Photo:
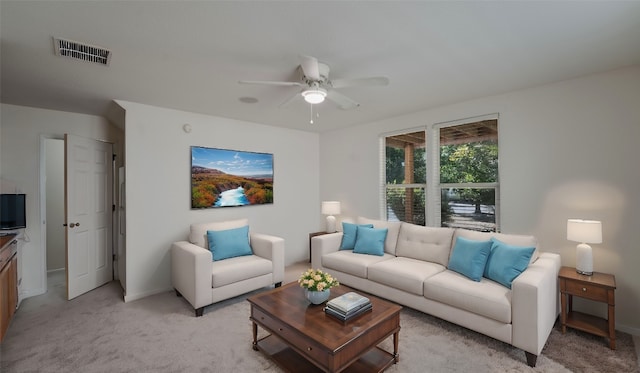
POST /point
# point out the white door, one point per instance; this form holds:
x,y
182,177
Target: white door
x,y
88,214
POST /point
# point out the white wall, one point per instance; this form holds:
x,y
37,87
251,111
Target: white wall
x,y
158,196
567,150
22,129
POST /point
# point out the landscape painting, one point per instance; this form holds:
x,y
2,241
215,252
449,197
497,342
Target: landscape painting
x,y
225,178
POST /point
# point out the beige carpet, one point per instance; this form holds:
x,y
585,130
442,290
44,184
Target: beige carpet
x,y
99,333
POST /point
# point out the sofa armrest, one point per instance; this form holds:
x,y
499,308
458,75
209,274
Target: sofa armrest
x,y
534,303
191,272
272,248
322,245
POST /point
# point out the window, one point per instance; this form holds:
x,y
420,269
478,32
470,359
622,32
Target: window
x,y
454,183
406,176
468,175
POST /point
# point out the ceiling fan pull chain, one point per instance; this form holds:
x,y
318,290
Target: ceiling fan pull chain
x,y
311,116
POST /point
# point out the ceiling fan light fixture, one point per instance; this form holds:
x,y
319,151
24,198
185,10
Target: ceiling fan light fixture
x,y
314,95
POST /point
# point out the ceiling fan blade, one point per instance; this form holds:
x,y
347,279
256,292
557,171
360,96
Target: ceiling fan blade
x,y
269,82
343,101
359,82
290,100
310,67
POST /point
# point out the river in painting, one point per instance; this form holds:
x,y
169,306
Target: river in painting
x,y
232,197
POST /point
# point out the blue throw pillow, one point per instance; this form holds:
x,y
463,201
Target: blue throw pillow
x,y
229,243
350,232
506,262
370,241
469,257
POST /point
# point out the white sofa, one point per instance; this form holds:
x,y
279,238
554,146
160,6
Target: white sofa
x,y
413,271
203,281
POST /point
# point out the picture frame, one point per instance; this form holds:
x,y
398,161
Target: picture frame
x,y
230,178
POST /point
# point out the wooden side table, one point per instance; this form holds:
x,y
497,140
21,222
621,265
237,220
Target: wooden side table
x,y
599,287
311,235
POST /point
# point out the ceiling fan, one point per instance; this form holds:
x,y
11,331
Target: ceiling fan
x,y
316,86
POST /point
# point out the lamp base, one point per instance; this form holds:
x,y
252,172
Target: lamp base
x,y
584,259
584,273
331,224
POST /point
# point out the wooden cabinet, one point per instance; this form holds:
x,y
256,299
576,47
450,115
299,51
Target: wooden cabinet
x,y
8,281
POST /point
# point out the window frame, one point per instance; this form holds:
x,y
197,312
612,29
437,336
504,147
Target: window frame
x,y
433,186
435,156
383,172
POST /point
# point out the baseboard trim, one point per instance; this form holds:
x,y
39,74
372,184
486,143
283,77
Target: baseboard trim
x,y
132,297
628,329
22,295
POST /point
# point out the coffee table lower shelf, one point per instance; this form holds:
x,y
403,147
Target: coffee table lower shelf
x,y
375,360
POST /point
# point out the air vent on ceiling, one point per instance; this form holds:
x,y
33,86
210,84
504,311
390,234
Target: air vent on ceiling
x,y
81,51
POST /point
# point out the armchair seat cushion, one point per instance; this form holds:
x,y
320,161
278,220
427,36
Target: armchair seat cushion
x,y
229,271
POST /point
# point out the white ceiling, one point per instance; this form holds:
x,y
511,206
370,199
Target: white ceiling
x,y
190,55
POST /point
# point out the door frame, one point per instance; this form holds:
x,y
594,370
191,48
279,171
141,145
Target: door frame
x,y
43,209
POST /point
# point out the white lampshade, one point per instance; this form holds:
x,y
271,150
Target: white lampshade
x,y
331,207
584,232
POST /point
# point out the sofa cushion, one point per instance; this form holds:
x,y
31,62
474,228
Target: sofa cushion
x,y
404,274
370,241
506,262
229,243
469,257
509,239
350,232
485,298
392,234
354,264
232,270
198,234
424,243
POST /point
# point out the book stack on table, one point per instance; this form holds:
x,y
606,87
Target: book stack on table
x,y
348,306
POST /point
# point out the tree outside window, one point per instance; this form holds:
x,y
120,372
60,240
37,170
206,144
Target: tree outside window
x,y
469,175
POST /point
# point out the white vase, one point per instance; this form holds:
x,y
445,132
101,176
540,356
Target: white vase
x,y
317,297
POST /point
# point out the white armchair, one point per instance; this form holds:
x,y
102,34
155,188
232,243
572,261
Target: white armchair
x,y
202,281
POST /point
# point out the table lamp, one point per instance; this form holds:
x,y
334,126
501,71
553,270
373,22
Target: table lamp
x,y
331,208
584,232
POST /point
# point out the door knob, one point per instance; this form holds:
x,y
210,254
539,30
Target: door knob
x,y
71,225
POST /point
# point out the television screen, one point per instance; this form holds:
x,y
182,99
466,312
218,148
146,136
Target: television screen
x,y
12,211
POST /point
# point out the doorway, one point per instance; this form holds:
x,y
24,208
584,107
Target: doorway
x,y
56,280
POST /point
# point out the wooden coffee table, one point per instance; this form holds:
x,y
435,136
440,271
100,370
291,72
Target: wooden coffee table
x,y
305,339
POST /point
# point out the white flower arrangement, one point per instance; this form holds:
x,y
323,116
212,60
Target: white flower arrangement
x,y
316,280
